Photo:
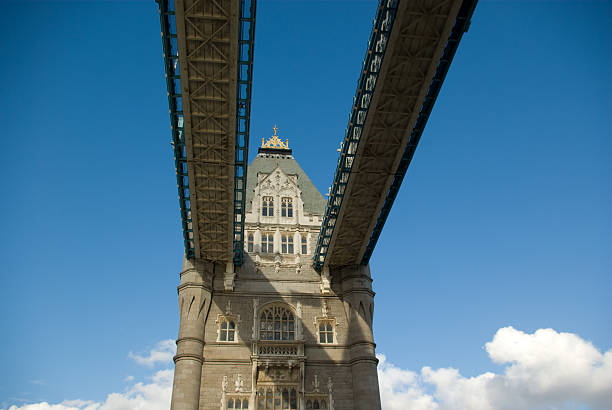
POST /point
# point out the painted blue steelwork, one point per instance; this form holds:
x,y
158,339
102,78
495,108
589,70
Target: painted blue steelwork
x,y
246,42
462,23
383,23
243,114
173,83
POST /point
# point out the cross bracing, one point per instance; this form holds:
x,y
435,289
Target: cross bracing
x,y
208,53
410,50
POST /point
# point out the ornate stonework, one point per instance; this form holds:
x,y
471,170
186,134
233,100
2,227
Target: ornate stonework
x,y
257,352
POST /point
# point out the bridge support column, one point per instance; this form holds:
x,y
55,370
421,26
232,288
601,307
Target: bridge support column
x,y
359,304
194,294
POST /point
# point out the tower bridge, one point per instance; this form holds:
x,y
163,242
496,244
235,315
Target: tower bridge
x,y
275,299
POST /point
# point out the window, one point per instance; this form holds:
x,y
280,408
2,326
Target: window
x,y
277,398
250,242
267,243
276,323
287,207
267,206
287,243
316,404
304,245
227,331
326,331
237,404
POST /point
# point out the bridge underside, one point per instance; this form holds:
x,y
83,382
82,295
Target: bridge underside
x,y
376,154
207,38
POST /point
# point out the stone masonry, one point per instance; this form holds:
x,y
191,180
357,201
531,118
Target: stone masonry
x,y
274,333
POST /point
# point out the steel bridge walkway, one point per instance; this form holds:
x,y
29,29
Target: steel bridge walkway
x,y
409,53
208,54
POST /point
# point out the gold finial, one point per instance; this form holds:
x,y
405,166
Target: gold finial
x,y
274,141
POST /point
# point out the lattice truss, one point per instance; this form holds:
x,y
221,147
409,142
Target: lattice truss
x,y
207,40
417,40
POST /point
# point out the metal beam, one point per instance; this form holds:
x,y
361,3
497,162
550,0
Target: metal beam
x,y
208,55
399,70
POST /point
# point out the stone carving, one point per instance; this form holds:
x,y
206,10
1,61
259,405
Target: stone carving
x,y
224,384
277,263
325,282
239,384
228,308
278,350
324,309
255,304
277,373
315,384
330,385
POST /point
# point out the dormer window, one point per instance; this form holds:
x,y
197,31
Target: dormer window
x,y
267,206
287,243
287,207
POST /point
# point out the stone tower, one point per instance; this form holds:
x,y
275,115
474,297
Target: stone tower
x,y
275,333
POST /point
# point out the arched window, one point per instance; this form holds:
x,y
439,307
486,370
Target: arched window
x,y
238,404
304,245
267,243
287,207
287,243
276,323
315,405
250,242
323,404
308,404
267,206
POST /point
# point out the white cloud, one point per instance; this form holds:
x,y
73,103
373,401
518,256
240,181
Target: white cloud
x,y
161,353
543,370
141,396
152,395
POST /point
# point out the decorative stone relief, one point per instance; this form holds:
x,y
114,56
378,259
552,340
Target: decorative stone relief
x,y
298,313
315,384
325,282
239,384
228,277
275,372
255,304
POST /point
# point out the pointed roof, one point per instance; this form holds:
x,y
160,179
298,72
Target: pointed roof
x,y
314,203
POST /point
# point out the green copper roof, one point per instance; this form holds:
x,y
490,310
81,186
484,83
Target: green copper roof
x,y
314,203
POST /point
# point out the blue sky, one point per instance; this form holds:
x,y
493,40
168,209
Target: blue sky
x,y
503,218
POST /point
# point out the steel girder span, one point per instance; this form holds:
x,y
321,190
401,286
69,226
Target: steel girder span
x,y
410,50
208,55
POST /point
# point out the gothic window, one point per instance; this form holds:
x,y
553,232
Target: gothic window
x,y
304,245
316,404
237,404
227,330
267,206
276,323
287,207
250,242
267,243
287,243
326,331
277,398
